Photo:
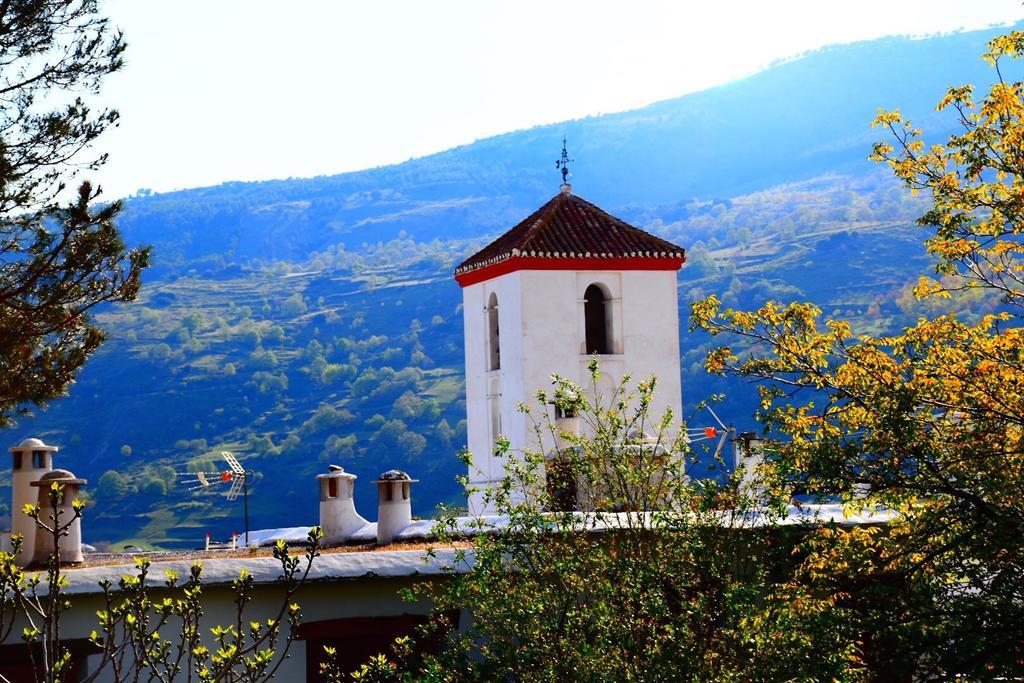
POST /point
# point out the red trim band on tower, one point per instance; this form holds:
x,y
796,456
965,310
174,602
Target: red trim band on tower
x,y
515,263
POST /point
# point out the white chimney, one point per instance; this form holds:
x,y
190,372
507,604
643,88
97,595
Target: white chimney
x,y
394,505
566,423
748,459
338,516
32,459
70,539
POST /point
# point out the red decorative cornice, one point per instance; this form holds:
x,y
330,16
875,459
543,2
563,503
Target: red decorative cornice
x,y
515,263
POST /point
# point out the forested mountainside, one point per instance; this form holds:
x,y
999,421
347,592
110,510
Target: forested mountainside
x,y
302,322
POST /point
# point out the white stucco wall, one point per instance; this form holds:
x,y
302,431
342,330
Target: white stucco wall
x,y
541,320
341,585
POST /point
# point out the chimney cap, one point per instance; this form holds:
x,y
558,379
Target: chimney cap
x,y
60,476
32,444
336,472
394,475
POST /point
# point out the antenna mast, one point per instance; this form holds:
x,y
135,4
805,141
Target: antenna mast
x,y
239,484
694,434
236,474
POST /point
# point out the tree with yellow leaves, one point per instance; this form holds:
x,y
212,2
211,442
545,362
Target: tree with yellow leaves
x,y
928,422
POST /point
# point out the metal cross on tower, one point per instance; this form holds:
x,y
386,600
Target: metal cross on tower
x,y
563,163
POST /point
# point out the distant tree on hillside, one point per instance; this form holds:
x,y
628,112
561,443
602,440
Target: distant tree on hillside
x,y
293,305
154,488
111,485
411,444
56,262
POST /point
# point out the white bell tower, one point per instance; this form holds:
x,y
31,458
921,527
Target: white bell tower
x,y
568,284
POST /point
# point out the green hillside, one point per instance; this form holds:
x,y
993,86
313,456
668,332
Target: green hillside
x,y
307,321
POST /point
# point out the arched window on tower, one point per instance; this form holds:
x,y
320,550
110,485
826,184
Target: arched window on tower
x,y
493,346
596,319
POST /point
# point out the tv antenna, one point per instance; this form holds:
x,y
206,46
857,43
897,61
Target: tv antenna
x,y
695,434
236,475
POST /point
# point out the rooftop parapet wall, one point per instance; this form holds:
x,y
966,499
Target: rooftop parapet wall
x,y
355,563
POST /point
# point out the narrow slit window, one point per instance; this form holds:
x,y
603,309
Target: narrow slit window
x,y
595,316
495,410
332,488
493,332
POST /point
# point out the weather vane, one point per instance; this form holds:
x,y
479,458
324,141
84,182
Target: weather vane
x,y
563,163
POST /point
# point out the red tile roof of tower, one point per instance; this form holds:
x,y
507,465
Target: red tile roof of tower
x,y
570,227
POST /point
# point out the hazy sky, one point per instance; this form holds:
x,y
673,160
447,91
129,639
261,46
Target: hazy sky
x,y
219,90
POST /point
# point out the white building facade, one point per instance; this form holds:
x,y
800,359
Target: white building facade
x,y
569,284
